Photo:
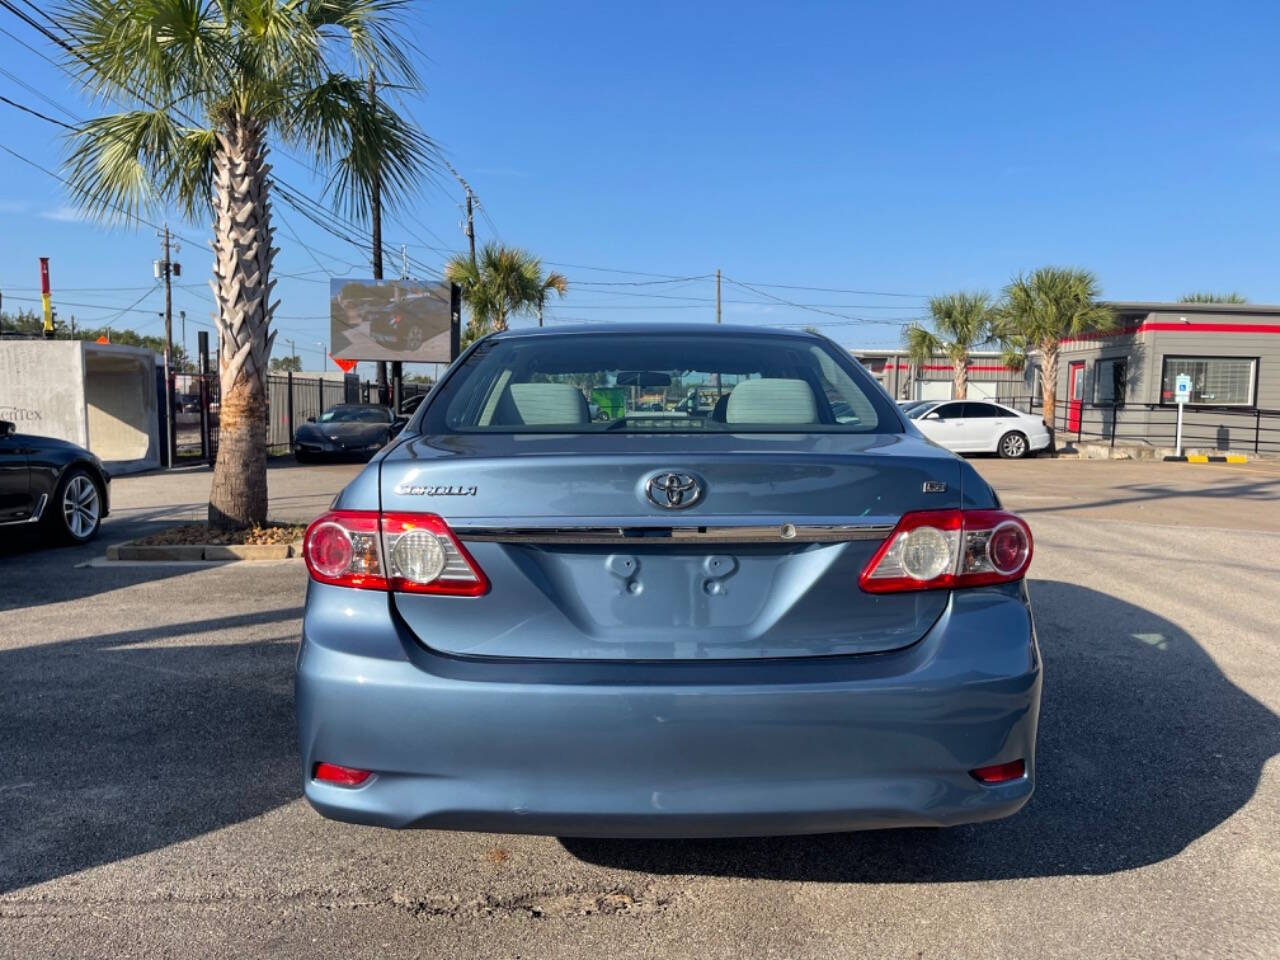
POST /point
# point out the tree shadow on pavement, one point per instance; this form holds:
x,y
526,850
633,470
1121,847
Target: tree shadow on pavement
x,y
1145,746
126,742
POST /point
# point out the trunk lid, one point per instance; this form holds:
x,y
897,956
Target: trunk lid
x,y
585,564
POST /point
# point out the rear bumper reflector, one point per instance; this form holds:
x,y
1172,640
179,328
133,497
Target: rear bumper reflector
x,y
339,776
1000,772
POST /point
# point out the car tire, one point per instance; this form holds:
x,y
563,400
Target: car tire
x,y
75,513
301,457
1013,446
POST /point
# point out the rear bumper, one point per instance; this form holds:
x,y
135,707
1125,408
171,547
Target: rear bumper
x,y
675,749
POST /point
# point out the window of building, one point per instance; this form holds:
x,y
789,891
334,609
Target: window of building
x,y
1109,378
1215,381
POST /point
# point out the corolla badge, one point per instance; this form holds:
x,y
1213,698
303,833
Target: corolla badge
x,y
404,489
674,491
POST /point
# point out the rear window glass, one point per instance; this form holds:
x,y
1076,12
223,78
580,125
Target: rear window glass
x,y
659,383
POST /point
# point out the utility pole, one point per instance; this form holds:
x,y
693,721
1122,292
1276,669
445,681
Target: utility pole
x,y
185,356
168,347
470,228
717,295
375,220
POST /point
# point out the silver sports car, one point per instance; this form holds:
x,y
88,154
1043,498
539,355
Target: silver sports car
x,y
569,600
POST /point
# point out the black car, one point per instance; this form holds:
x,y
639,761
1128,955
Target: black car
x,y
403,324
346,431
59,486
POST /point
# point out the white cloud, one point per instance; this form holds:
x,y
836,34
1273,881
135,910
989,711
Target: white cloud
x,y
64,214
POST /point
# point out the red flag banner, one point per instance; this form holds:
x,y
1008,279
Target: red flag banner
x,y
346,366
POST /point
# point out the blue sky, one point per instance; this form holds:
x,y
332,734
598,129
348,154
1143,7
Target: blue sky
x,y
907,149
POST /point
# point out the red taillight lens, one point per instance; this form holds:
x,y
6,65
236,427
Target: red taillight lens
x,y
423,556
1000,772
946,549
408,552
339,776
341,547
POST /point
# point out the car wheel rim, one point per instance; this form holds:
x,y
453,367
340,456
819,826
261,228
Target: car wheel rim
x,y
80,507
1013,446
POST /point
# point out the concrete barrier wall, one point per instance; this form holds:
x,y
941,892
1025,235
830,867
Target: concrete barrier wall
x,y
42,388
100,396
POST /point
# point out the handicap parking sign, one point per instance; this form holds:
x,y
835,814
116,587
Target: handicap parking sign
x,y
1182,388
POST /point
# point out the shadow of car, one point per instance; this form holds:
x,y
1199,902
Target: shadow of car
x,y
1145,746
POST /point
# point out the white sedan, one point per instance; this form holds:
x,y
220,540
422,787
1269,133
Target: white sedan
x,y
981,426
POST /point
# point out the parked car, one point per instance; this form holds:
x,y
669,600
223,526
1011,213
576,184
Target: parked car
x,y
982,426
346,431
52,483
409,406
524,620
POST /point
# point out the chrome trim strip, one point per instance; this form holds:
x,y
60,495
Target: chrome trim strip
x,y
35,516
637,531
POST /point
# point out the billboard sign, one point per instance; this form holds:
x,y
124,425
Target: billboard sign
x,y
405,320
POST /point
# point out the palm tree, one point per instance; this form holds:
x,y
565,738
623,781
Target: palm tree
x,y
1232,297
205,88
553,282
503,282
961,321
1042,309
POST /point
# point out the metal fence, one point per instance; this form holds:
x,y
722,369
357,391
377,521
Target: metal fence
x,y
291,400
1156,425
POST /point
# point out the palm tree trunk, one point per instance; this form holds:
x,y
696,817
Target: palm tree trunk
x,y
960,378
242,289
1049,380
500,320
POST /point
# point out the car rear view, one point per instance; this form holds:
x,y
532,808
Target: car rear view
x,y
633,582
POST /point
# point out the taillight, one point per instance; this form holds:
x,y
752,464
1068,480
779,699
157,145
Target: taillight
x,y
946,549
423,556
407,552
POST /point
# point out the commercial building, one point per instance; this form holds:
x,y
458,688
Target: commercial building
x,y
989,378
1118,387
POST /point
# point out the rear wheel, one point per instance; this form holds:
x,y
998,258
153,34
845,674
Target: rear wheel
x,y
1013,446
76,512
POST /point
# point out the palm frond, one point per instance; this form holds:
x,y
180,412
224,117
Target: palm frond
x,y
921,343
361,138
124,164
370,29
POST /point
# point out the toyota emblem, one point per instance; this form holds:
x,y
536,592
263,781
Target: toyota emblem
x,y
673,491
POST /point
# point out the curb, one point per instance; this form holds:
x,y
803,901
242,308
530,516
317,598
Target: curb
x,y
1200,458
197,552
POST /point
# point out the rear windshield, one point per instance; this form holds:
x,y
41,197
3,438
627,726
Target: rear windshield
x,y
659,383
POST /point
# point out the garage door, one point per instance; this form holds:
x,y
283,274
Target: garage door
x,y
933,389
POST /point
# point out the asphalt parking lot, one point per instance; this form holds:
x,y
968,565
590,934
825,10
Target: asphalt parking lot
x,y
150,799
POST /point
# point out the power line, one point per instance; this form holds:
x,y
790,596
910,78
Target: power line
x,y
46,170
861,293
38,93
35,113
800,306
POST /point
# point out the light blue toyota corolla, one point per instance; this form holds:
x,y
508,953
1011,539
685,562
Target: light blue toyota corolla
x,y
660,581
